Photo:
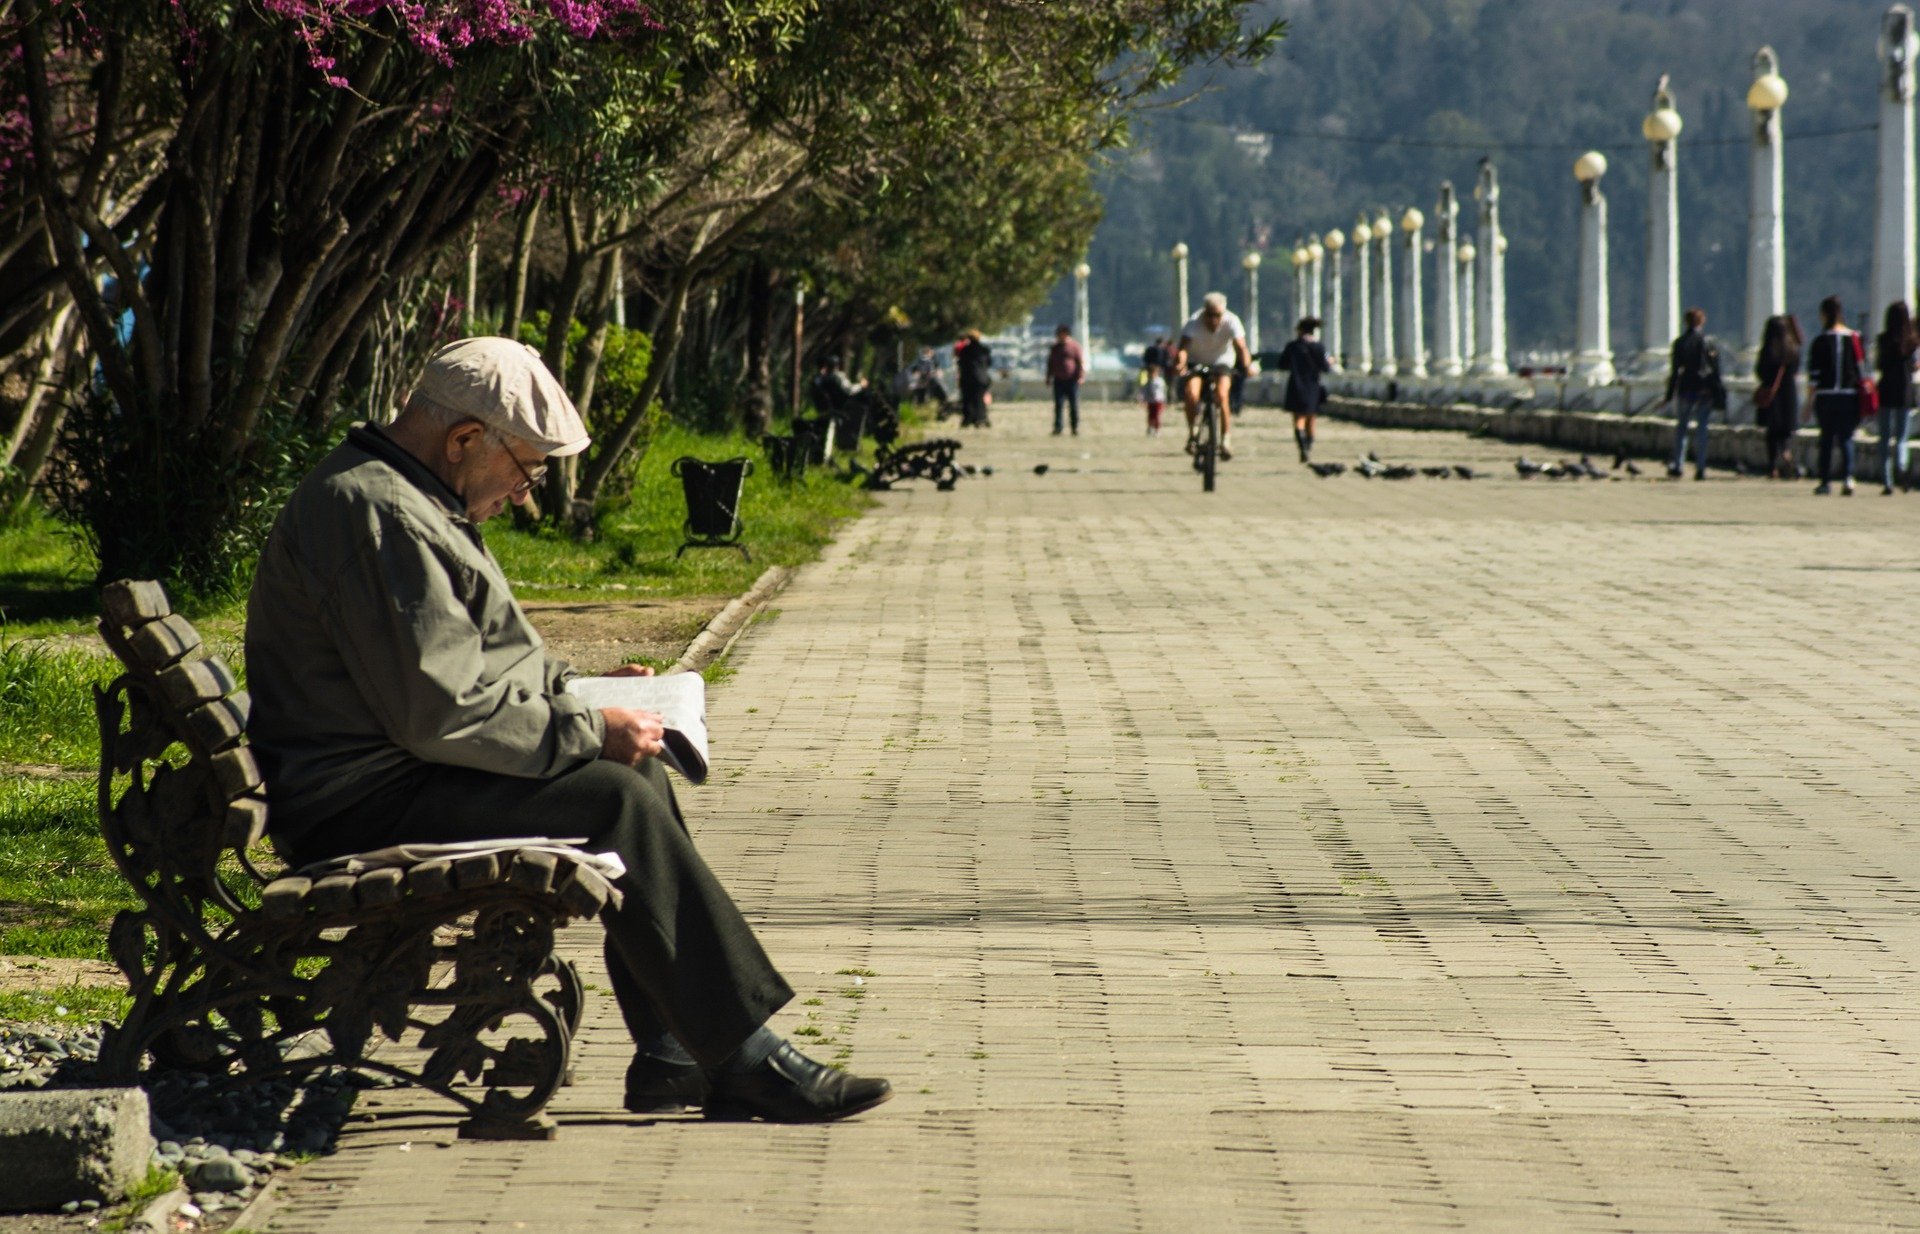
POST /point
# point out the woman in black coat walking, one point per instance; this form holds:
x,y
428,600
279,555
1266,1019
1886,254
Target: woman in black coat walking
x,y
1776,392
1305,359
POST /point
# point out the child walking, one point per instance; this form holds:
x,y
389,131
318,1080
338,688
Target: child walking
x,y
1155,394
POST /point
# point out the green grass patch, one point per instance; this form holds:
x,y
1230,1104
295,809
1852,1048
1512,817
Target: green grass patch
x,y
74,1004
633,556
58,888
46,702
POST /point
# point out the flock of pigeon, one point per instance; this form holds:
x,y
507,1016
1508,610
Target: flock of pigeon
x,y
1371,467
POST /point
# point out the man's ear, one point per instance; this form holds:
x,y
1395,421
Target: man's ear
x,y
463,438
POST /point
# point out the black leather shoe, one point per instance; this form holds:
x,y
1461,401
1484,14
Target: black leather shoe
x,y
791,1088
656,1087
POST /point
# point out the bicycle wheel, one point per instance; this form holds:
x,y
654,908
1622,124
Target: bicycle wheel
x,y
1209,445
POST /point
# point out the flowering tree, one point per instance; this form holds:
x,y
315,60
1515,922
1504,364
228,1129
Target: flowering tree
x,y
311,155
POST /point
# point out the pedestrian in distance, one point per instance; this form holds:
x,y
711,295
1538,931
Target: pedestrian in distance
x,y
1695,390
1894,353
974,361
1305,360
1836,367
1776,392
1066,369
1155,396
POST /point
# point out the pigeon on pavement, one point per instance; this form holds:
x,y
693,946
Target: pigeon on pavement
x,y
1465,472
1039,469
1437,473
1369,467
1527,467
1400,471
1327,470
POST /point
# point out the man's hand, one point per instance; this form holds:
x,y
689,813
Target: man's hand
x,y
631,735
631,670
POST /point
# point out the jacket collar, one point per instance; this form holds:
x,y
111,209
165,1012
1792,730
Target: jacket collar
x,y
369,438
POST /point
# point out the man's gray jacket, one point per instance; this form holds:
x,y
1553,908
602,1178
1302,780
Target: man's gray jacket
x,y
382,636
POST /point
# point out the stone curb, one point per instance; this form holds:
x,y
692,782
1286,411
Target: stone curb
x,y
1587,432
719,635
157,1216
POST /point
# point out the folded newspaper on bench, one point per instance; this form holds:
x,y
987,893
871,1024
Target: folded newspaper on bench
x,y
406,856
679,699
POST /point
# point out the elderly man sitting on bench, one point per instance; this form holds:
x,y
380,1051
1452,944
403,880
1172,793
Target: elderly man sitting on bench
x,y
401,696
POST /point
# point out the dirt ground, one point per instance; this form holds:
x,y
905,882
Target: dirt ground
x,y
597,635
33,972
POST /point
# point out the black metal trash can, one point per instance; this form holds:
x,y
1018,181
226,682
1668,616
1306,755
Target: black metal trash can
x,y
787,456
713,493
820,433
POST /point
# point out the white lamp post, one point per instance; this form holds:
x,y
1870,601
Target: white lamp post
x,y
1464,256
1389,365
1490,315
1361,358
1412,325
1593,358
1179,255
1893,214
1082,329
1661,318
1299,259
1316,275
1251,264
1335,240
1766,239
1446,291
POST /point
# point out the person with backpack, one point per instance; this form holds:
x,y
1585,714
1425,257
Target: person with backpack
x,y
1836,364
1695,389
1894,355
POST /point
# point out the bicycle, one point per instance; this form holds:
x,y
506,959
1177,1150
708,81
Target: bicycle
x,y
1206,433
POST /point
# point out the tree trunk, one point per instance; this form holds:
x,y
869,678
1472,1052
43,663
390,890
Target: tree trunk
x,y
756,395
517,271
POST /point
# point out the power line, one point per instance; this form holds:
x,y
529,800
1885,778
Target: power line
x,y
1422,143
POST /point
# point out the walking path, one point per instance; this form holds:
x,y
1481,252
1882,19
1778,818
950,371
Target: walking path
x,y
1332,855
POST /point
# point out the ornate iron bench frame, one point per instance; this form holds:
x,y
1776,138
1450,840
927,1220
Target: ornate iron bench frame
x,y
243,976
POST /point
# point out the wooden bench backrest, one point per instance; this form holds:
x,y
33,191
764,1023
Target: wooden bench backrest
x,y
173,820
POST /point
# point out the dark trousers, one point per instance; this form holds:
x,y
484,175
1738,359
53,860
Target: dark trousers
x,y
1066,394
973,404
680,955
1839,416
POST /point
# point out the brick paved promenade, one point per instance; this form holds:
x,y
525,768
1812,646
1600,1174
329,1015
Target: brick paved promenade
x,y
1330,855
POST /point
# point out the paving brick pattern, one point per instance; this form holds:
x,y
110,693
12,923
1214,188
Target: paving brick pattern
x,y
1322,855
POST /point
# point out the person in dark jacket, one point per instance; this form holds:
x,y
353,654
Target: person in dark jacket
x,y
974,360
1833,373
1893,356
1305,359
1776,393
1694,388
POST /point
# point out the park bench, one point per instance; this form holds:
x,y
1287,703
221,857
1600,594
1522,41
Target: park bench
x,y
242,975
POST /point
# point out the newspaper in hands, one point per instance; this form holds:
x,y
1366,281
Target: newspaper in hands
x,y
679,699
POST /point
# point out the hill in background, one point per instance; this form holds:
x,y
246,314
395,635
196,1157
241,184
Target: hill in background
x,y
1374,102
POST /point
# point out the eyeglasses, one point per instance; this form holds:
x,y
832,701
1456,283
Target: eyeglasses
x,y
529,478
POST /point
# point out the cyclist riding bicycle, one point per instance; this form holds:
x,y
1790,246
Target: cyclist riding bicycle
x,y
1216,338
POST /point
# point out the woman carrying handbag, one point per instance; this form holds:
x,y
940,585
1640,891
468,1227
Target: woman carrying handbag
x,y
1835,370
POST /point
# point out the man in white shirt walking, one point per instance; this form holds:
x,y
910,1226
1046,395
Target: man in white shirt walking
x,y
1217,338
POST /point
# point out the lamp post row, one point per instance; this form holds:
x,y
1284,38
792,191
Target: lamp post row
x,y
1468,326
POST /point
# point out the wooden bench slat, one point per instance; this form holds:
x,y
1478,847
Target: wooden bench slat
x,y
218,724
431,878
533,871
377,888
246,823
476,870
285,898
193,682
236,772
582,891
131,602
164,642
332,894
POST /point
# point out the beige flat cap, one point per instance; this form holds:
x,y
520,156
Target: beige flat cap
x,y
505,385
